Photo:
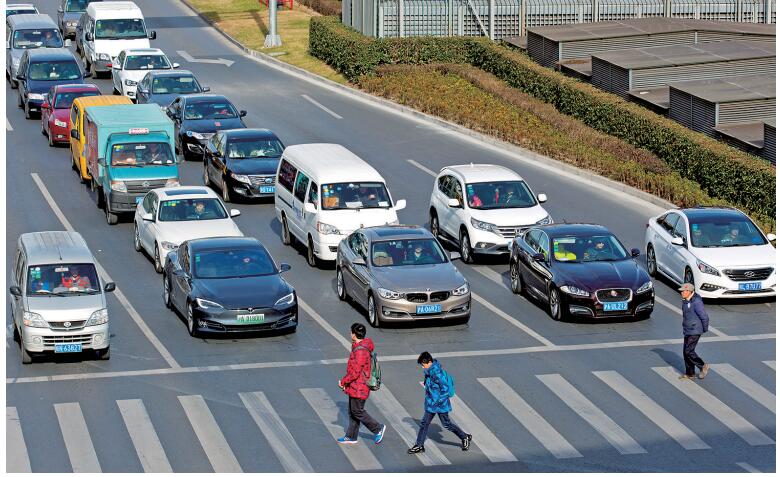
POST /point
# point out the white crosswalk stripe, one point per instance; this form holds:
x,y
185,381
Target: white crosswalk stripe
x,y
746,384
771,364
715,407
276,433
210,436
147,444
16,458
78,442
603,424
652,410
551,439
358,454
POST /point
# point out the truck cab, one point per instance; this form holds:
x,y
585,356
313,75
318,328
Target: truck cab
x,y
77,114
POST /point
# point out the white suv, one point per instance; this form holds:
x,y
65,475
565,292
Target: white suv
x,y
131,66
720,250
498,205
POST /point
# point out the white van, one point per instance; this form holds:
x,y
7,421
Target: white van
x,y
324,192
110,27
57,301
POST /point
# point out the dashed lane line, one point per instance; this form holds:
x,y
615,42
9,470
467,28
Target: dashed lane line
x,y
136,317
771,364
17,458
677,310
421,167
8,125
749,468
314,102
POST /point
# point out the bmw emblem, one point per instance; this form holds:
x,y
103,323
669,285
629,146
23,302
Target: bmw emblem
x,y
66,324
749,274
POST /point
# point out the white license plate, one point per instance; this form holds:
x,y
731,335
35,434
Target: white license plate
x,y
753,286
252,318
68,348
428,309
616,306
267,189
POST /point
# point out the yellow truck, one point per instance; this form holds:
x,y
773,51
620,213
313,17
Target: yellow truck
x,y
77,114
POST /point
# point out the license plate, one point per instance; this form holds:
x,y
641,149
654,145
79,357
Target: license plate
x,y
67,348
139,199
753,286
616,306
428,309
254,318
267,189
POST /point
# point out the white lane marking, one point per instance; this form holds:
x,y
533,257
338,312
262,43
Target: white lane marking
x,y
534,423
78,442
603,424
210,436
759,393
652,410
8,125
749,468
166,355
512,321
771,364
17,459
358,454
480,353
421,167
147,444
490,445
276,433
314,102
678,311
715,407
191,59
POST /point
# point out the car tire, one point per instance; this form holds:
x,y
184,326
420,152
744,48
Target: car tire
x,y
191,321
51,139
434,224
26,357
341,289
136,239
516,278
554,302
652,263
26,108
92,69
104,354
227,197
100,202
466,252
14,84
286,236
167,299
157,265
17,336
688,277
20,103
206,179
111,218
373,316
311,259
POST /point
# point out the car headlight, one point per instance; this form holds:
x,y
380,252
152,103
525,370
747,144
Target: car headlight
x,y
198,135
645,288
35,96
288,299
461,290
172,183
572,290
98,317
704,268
130,82
478,224
240,177
104,56
118,186
208,304
327,229
34,320
168,245
545,221
389,294
60,124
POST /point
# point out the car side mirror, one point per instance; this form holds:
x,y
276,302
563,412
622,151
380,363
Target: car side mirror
x,y
147,217
67,42
142,91
45,105
359,261
454,203
542,198
88,74
635,252
284,267
310,208
101,161
59,9
74,134
89,36
538,257
176,65
242,113
110,286
678,241
114,66
152,35
15,290
455,256
20,77
400,204
206,89
235,212
7,45
771,237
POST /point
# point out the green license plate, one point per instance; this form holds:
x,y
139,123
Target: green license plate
x,y
254,318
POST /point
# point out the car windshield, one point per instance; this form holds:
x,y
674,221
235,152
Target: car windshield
x,y
175,85
355,195
147,62
140,154
724,232
76,5
499,195
19,11
243,148
62,279
209,110
54,71
388,253
46,38
65,100
181,210
124,28
237,263
588,248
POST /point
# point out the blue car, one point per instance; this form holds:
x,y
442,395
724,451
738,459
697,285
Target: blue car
x,y
42,68
163,86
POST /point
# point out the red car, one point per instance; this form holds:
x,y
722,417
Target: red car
x,y
55,111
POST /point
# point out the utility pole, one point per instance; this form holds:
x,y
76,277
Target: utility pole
x,y
272,39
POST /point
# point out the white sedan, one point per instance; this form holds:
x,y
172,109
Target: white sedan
x,y
131,66
719,250
167,217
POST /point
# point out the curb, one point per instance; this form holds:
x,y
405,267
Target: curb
x,y
507,147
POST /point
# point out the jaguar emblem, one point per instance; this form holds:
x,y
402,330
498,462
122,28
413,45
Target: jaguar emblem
x,y
613,293
66,324
750,274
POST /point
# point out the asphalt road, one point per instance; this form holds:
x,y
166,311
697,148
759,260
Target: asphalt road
x,y
537,395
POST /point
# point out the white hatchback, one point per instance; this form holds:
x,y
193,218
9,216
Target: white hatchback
x,y
167,217
720,250
132,65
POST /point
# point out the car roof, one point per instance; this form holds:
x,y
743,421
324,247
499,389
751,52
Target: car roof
x,y
396,232
147,51
176,72
55,247
116,10
31,20
219,243
48,54
483,172
185,192
77,87
249,132
702,212
331,163
558,230
202,98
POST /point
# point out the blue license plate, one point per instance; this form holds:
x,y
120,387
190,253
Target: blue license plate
x,y
753,286
267,189
428,309
616,306
67,348
139,199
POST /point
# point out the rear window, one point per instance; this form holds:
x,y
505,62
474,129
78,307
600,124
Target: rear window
x,y
286,175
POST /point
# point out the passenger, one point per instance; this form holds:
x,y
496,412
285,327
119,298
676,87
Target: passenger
x,y
698,237
75,280
597,251
475,201
39,286
732,236
121,158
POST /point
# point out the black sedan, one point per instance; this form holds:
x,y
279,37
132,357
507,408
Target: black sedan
x,y
227,285
198,117
242,162
580,270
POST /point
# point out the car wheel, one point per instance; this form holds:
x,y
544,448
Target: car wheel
x,y
26,108
206,180
104,354
14,84
466,252
311,259
286,237
92,69
516,278
136,239
340,288
556,308
434,224
373,316
191,321
51,139
111,218
20,103
226,196
100,197
688,277
652,265
157,265
26,357
17,337
167,291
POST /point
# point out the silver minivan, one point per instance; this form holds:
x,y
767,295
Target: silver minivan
x,y
25,32
57,301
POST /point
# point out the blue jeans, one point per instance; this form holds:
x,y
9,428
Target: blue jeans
x,y
445,421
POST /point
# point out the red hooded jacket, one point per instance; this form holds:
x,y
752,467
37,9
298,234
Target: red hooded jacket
x,y
358,369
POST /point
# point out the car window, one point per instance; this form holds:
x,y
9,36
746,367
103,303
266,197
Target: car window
x,y
62,279
715,230
355,195
286,175
65,100
209,110
54,71
387,253
175,85
670,222
352,242
499,195
40,38
241,148
147,202
456,190
599,247
147,62
235,263
444,184
181,210
76,5
19,268
679,229
141,154
120,60
313,194
184,259
362,245
74,114
117,29
532,238
543,246
301,182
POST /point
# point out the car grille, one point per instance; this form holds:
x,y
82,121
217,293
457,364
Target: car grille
x,y
621,294
749,274
68,339
440,296
417,297
60,325
511,231
253,327
262,180
425,297
144,186
747,292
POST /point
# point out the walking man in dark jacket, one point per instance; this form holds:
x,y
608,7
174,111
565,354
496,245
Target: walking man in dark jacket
x,y
695,323
437,401
354,385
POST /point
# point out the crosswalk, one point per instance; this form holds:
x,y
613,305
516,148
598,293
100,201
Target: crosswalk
x,y
479,411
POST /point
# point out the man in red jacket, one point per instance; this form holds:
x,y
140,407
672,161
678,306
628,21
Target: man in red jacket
x,y
354,385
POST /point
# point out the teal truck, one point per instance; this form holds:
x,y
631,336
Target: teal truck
x,y
129,150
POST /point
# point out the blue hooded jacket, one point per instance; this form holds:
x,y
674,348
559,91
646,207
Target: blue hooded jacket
x,y
437,398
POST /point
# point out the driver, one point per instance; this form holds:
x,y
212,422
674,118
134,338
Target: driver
x,y
155,154
75,280
199,211
598,250
420,255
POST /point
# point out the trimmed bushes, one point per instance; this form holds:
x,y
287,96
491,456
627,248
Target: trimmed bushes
x,y
326,7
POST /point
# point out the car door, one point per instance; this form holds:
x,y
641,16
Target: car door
x,y
216,160
181,281
348,270
441,199
174,112
678,254
17,302
664,240
147,241
539,271
312,197
297,224
526,249
116,72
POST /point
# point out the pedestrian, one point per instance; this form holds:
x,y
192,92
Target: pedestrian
x,y
354,385
695,323
438,389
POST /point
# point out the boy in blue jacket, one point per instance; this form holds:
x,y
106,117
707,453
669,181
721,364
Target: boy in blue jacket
x,y
437,401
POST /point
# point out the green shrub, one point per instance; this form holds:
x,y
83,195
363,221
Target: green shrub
x,y
325,7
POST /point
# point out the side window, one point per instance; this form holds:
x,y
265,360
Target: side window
x,y
444,184
147,203
679,229
219,144
121,59
353,242
301,182
74,115
184,259
671,222
544,245
363,247
313,194
286,175
18,271
532,238
457,190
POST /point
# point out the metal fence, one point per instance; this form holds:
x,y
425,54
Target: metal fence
x,y
505,18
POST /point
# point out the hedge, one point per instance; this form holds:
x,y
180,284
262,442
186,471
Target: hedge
x,y
325,7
